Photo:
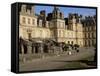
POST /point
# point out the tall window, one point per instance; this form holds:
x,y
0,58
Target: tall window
x,y
72,42
87,29
59,33
33,21
28,20
23,20
94,27
85,43
89,43
92,42
92,35
90,28
85,35
29,35
88,35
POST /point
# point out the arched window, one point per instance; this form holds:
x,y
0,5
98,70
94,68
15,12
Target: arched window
x,y
68,42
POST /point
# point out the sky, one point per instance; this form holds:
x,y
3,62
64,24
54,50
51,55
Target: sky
x,y
67,10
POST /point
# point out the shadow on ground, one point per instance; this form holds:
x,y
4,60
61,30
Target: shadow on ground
x,y
88,63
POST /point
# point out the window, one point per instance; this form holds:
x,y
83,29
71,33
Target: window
x,y
72,42
86,28
68,42
88,35
40,23
92,42
85,42
89,43
23,20
28,21
29,35
33,21
94,27
85,35
92,35
90,28
59,25
59,33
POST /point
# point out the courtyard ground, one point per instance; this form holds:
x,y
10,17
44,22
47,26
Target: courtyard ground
x,y
63,61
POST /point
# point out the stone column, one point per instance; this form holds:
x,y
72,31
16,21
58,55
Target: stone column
x,y
33,49
29,49
41,48
22,49
61,50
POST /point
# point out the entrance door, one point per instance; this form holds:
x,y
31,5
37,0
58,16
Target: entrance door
x,y
25,49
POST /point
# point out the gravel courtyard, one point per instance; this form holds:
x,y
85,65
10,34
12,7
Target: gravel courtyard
x,y
63,61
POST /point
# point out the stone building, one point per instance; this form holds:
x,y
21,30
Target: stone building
x,y
89,29
35,30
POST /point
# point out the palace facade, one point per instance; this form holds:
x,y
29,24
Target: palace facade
x,y
53,26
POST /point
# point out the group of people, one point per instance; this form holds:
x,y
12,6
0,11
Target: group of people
x,y
71,48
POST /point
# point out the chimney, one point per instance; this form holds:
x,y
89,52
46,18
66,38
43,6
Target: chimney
x,y
23,8
32,10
